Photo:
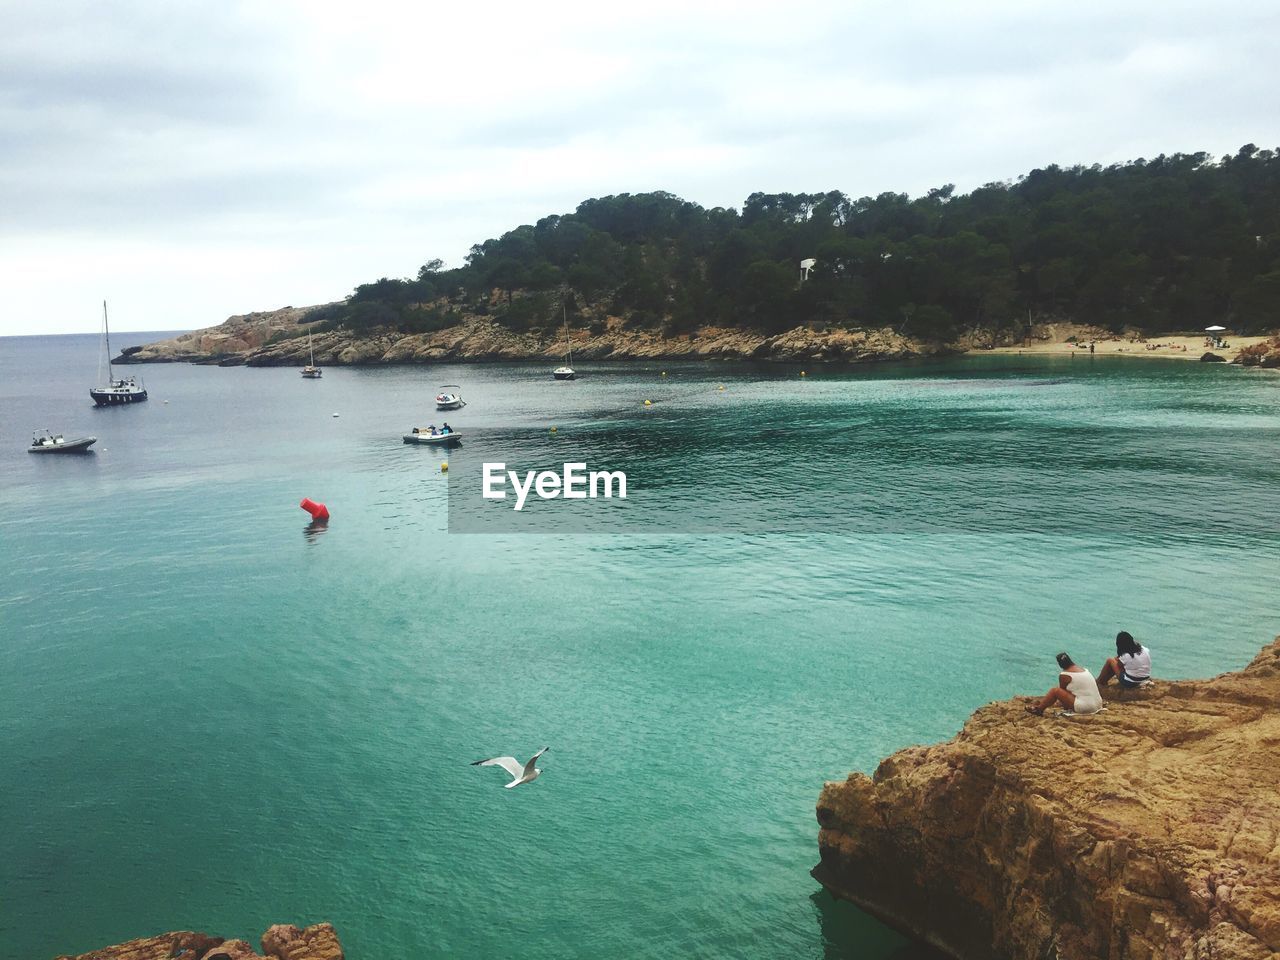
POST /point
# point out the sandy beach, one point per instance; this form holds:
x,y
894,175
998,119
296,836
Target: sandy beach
x,y
1189,347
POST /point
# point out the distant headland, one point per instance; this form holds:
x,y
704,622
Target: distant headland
x,y
1139,249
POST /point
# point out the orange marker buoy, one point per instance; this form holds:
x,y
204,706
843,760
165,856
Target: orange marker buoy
x,y
318,511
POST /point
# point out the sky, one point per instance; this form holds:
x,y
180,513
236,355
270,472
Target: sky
x,y
190,161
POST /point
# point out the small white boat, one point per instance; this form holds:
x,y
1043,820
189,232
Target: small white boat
x,y
566,372
311,371
449,399
56,443
424,435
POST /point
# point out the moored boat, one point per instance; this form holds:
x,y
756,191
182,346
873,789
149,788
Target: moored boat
x,y
424,435
311,371
449,399
56,443
118,389
566,372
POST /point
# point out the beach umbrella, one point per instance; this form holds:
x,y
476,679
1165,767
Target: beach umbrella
x,y
1214,329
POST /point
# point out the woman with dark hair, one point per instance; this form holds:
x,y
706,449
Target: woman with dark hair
x,y
1131,665
1076,690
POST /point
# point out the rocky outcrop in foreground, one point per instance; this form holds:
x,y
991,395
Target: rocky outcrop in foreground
x,y
248,339
280,942
1151,830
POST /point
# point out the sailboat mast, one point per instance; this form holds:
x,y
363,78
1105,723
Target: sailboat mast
x,y
568,346
106,339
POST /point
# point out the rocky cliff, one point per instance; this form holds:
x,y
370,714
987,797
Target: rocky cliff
x,y
280,942
235,337
258,339
1150,830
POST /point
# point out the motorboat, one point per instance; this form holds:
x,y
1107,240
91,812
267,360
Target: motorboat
x,y
449,399
311,371
430,435
118,389
56,443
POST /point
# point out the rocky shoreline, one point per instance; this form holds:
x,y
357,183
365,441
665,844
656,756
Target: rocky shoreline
x,y
259,339
1151,830
280,942
277,338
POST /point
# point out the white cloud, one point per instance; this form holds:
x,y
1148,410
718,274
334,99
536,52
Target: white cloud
x,y
193,161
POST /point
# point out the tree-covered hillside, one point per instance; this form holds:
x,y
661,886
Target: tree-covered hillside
x,y
1176,242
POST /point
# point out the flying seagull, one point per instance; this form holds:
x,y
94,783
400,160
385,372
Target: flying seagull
x,y
523,773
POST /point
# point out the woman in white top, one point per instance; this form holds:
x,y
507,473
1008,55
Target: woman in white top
x,y
1131,665
1076,690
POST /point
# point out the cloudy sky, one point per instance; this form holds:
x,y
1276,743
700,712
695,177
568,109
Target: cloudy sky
x,y
188,161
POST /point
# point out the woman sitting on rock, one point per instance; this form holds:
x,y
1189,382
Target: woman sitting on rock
x,y
1076,690
1131,665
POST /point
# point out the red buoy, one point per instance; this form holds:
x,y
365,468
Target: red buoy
x,y
318,511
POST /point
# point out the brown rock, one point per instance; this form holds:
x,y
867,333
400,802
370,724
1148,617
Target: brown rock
x,y
318,942
233,338
1147,831
180,945
1265,354
232,950
280,942
248,339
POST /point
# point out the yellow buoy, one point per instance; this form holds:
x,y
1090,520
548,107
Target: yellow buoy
x,y
802,373
664,373
648,403
722,386
553,429
444,467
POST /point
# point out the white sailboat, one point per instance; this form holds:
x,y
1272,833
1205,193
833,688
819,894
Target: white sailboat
x,y
311,371
117,391
566,372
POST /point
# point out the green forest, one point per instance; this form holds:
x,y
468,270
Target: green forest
x,y
1173,243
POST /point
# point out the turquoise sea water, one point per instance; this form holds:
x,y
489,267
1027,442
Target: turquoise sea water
x,y
213,718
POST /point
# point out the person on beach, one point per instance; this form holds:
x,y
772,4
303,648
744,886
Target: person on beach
x,y
1131,665
1076,690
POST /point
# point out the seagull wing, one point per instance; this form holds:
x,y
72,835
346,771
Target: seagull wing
x,y
528,767
509,764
